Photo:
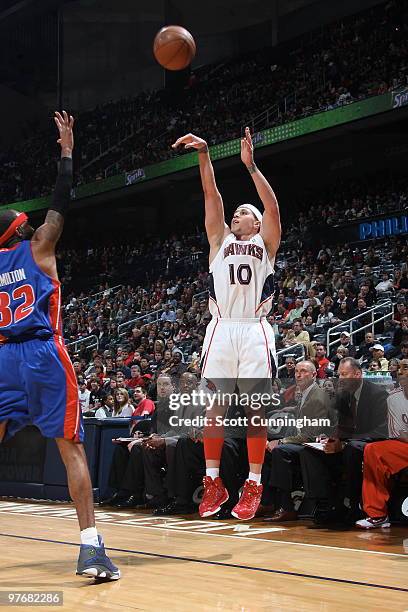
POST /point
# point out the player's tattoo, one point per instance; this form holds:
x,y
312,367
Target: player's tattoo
x,y
203,149
52,228
252,168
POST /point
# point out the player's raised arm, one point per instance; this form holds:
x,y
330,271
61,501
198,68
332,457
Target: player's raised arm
x,y
271,226
48,234
215,225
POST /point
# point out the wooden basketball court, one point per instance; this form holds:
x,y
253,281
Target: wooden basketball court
x,y
185,563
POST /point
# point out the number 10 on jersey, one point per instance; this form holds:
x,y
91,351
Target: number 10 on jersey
x,y
242,274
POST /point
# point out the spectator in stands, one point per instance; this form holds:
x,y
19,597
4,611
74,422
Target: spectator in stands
x,y
136,379
311,311
393,368
106,409
309,327
346,343
385,284
297,335
171,346
402,284
363,351
400,309
83,394
121,367
176,367
400,335
343,313
289,370
296,312
122,407
325,316
311,299
403,354
144,366
77,367
342,298
168,314
97,394
120,380
144,405
374,366
320,361
377,351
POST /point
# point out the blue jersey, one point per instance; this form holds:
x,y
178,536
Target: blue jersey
x,y
30,300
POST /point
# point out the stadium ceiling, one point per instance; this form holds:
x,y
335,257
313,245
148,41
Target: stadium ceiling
x,y
230,14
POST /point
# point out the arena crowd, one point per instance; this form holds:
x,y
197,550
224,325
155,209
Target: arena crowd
x,y
345,61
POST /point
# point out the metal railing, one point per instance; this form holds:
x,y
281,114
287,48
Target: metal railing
x,y
101,293
148,317
378,308
92,340
109,143
271,115
198,296
292,351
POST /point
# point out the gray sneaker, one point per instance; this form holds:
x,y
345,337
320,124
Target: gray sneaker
x,y
94,562
373,523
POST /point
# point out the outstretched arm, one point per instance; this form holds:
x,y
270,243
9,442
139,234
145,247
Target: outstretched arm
x,y
47,235
271,226
215,225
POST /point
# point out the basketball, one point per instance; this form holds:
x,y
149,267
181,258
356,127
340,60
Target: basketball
x,y
174,47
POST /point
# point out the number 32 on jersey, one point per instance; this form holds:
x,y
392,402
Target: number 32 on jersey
x,y
23,310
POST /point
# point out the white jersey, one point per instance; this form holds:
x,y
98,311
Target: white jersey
x,y
241,279
397,413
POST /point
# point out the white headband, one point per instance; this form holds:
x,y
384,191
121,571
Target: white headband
x,y
253,209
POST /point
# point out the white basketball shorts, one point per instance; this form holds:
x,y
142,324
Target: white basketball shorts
x,y
238,349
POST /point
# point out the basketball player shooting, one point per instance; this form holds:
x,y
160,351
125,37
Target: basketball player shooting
x,y
239,345
38,384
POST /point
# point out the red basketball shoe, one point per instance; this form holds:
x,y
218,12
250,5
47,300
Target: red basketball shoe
x,y
248,502
215,494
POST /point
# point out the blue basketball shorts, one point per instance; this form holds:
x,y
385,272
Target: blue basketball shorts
x,y
38,387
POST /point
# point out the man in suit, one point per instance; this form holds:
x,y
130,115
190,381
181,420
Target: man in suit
x,y
362,417
283,456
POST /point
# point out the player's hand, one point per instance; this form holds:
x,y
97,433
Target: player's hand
x,y
190,142
65,125
247,148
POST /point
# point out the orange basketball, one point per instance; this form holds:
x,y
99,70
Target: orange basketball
x,y
174,47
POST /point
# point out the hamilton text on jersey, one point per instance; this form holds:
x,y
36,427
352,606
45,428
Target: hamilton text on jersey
x,y
8,278
243,249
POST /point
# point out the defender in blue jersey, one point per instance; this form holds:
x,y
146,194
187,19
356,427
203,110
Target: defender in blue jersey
x,y
37,381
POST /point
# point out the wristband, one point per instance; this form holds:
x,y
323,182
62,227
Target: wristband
x,y
62,190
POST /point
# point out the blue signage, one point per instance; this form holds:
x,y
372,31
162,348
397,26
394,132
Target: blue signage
x,y
383,227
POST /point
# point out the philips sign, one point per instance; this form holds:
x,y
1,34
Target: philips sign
x,y
400,98
384,227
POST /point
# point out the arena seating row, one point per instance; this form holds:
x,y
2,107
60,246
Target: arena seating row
x,y
345,61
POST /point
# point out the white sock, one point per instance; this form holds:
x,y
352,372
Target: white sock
x,y
255,477
212,472
89,536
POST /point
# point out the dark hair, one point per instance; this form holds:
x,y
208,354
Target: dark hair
x,y
352,362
